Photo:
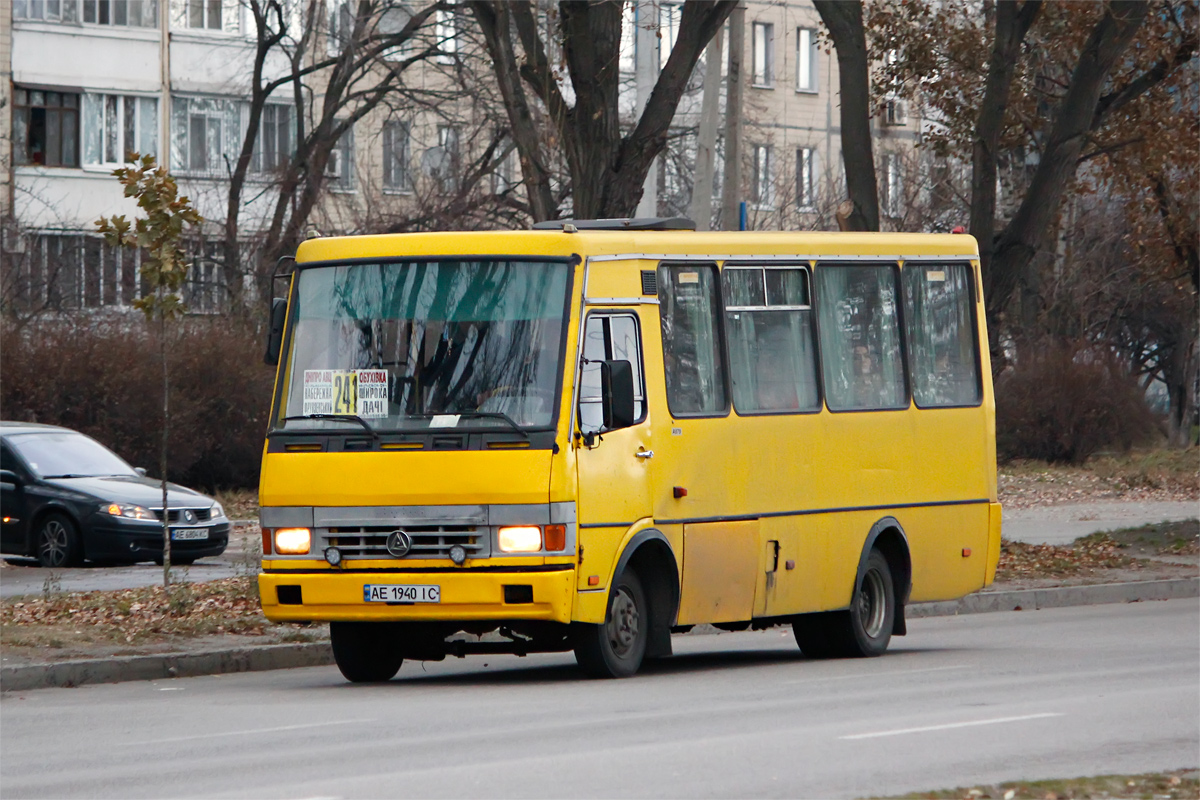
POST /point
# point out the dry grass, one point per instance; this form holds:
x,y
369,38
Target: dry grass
x,y
1180,784
1142,476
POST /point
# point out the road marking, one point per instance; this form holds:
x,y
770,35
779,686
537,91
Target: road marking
x,y
862,675
950,725
256,731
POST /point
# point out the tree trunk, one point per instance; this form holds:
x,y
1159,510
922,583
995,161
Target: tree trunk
x,y
1012,24
1021,238
845,23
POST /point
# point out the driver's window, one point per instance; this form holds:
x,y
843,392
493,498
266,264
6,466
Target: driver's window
x,y
609,337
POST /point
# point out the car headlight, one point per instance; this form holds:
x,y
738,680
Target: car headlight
x,y
127,510
217,510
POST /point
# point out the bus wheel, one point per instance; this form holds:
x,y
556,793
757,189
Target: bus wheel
x,y
816,634
616,648
364,651
872,610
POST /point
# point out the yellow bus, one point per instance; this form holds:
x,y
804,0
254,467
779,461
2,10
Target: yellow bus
x,y
594,434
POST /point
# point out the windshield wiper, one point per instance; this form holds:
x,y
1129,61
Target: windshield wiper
x,y
351,417
500,415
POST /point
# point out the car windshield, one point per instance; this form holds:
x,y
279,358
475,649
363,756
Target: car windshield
x,y
67,454
426,344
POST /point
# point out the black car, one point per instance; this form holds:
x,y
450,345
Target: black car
x,y
65,497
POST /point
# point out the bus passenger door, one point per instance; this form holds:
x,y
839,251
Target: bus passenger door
x,y
613,465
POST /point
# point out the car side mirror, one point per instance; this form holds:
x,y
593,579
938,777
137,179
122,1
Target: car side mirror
x,y
141,471
275,335
9,479
616,394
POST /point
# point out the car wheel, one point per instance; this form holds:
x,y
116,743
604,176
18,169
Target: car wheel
x,y
58,542
364,651
616,648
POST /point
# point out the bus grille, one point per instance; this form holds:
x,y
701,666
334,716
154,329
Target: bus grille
x,y
428,541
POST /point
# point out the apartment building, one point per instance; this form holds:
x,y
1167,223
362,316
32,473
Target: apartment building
x,y
87,81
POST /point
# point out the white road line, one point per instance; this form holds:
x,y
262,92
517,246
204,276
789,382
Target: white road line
x,y
871,675
255,731
950,725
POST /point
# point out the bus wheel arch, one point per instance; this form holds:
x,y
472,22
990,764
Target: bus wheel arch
x,y
645,576
887,535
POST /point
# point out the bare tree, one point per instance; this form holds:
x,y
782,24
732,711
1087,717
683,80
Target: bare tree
x,y
608,166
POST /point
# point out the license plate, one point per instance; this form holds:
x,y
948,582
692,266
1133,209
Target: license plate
x,y
401,593
189,534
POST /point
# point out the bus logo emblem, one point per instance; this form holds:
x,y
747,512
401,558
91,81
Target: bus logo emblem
x,y
399,543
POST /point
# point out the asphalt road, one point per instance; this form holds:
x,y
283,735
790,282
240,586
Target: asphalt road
x,y
984,697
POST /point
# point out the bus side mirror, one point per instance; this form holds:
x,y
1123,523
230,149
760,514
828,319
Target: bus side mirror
x,y
616,394
275,336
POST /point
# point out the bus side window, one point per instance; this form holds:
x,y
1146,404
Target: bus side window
x,y
772,356
691,338
859,321
942,348
608,337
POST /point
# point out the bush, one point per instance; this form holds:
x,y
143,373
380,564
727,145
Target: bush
x,y
105,379
1062,403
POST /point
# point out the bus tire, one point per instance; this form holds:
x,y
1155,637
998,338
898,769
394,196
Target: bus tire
x,y
816,634
364,651
616,648
872,611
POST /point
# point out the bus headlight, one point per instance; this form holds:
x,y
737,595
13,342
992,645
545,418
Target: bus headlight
x,y
520,539
293,541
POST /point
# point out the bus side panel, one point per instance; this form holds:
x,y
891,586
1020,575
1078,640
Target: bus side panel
x,y
794,589
720,566
949,549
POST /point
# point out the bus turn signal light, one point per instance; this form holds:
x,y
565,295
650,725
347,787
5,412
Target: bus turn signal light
x,y
555,537
266,537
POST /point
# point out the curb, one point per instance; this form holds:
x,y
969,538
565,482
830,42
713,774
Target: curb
x,y
314,654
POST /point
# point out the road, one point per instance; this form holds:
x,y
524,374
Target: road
x,y
984,697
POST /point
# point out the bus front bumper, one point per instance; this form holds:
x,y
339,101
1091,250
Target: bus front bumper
x,y
463,596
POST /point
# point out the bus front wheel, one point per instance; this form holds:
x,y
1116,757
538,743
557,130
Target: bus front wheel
x,y
863,630
616,648
365,652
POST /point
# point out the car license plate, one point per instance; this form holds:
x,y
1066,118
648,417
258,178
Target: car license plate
x,y
189,534
401,593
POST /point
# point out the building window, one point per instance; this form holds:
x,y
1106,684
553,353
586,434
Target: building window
x,y
806,178
397,157
668,30
806,60
340,166
761,189
210,14
45,128
764,54
204,291
504,179
116,125
628,47
204,131
391,24
273,148
59,271
891,186
446,31
445,167
133,13
341,27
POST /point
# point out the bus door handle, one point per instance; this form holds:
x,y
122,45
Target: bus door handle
x,y
644,454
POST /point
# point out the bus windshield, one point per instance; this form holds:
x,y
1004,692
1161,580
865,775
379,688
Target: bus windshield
x,y
426,344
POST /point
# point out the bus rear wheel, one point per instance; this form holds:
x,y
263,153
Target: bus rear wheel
x,y
862,631
616,648
365,652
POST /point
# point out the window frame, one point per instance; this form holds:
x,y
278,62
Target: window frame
x,y
806,159
813,87
718,327
123,146
762,185
973,300
61,111
898,288
768,52
388,140
639,386
807,268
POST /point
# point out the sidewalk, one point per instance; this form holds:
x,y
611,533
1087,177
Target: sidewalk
x,y
1063,523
